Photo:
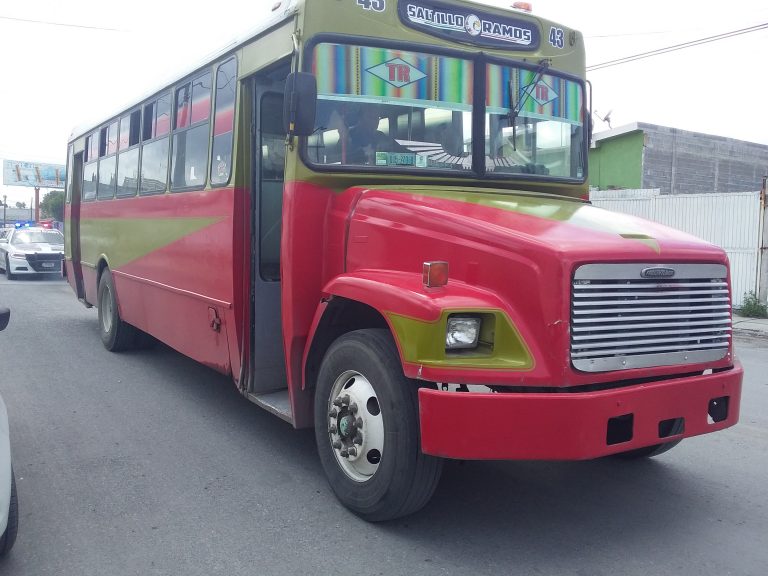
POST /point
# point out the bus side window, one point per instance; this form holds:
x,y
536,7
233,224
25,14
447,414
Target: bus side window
x,y
90,169
153,171
272,173
224,122
189,147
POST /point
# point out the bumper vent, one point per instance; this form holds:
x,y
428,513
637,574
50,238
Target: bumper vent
x,y
639,315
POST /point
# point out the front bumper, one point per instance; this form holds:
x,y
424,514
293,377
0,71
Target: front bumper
x,y
37,264
574,426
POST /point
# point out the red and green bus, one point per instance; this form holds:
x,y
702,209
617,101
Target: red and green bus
x,y
370,214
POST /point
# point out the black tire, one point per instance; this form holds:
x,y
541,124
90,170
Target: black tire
x,y
8,272
403,478
647,452
115,334
8,538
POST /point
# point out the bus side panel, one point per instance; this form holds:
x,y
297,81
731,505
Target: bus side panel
x,y
304,257
172,259
235,323
90,283
181,321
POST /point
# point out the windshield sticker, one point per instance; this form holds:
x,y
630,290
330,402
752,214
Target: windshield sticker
x,y
463,25
541,92
397,72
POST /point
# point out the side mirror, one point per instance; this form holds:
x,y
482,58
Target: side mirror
x,y
5,315
300,104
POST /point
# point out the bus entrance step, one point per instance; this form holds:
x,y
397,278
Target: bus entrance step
x,y
276,402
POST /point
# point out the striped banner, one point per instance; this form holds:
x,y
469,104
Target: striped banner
x,y
385,74
551,97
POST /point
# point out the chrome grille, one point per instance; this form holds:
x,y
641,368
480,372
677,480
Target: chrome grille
x,y
622,316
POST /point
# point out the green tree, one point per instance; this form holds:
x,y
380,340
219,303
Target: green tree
x,y
21,204
52,205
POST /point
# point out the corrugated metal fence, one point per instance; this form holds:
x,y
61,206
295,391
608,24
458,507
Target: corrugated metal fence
x,y
731,221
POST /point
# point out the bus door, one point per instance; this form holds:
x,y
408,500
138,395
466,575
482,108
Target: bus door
x,y
76,188
268,379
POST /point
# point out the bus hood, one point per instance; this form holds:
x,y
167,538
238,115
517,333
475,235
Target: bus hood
x,y
572,230
511,250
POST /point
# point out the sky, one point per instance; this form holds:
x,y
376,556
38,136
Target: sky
x,y
65,63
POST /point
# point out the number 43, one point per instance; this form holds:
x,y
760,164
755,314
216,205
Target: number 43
x,y
375,5
555,37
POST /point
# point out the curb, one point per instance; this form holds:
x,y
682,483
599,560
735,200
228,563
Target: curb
x,y
749,333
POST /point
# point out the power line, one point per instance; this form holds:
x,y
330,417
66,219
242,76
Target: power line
x,y
677,47
624,34
49,23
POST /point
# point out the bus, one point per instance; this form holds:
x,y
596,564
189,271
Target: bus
x,y
371,215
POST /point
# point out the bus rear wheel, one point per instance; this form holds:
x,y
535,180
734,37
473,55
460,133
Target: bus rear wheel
x,y
367,429
115,334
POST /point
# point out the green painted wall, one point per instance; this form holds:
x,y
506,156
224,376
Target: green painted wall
x,y
617,162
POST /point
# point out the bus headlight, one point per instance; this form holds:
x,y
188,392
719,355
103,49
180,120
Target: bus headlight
x,y
462,332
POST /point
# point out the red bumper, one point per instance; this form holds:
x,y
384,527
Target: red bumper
x,y
572,426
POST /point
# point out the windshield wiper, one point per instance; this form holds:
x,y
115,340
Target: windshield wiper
x,y
514,109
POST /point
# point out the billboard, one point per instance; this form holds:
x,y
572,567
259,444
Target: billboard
x,y
33,174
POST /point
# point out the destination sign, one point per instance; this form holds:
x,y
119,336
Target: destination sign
x,y
465,25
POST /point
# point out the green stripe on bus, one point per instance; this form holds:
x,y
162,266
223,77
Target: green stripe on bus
x,y
123,240
562,210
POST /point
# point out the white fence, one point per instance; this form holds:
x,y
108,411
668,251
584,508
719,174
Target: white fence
x,y
729,220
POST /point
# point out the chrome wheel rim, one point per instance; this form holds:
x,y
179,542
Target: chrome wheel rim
x,y
355,426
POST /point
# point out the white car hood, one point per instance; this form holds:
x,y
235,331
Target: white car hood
x,y
34,247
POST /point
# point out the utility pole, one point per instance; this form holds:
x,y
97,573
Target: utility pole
x,y
5,205
762,258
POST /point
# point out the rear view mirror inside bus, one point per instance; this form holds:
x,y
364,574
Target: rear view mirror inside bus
x,y
299,104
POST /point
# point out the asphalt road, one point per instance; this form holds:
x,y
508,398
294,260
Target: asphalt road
x,y
148,463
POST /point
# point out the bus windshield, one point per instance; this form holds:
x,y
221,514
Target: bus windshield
x,y
533,123
397,109
391,108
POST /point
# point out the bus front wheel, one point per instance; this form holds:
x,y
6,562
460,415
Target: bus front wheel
x,y
367,429
115,334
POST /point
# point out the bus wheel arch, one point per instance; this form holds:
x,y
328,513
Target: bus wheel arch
x,y
341,315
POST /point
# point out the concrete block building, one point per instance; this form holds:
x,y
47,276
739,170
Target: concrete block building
x,y
641,155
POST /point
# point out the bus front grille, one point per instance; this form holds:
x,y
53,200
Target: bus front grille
x,y
627,316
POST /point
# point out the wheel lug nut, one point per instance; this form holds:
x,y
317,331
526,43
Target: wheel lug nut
x,y
352,451
359,423
358,440
344,453
333,413
345,399
336,445
353,408
332,429
337,402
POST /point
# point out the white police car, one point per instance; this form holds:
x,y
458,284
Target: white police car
x,y
31,250
9,504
